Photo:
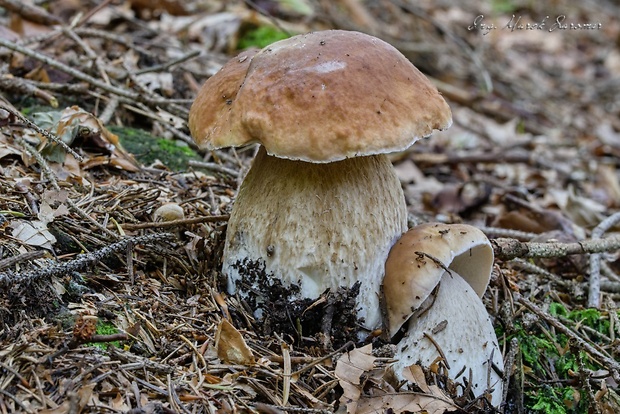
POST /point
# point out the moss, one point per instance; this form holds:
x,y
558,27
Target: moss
x,y
105,328
551,400
260,37
544,351
148,148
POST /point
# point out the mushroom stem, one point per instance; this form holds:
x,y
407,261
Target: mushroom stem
x,y
457,329
316,226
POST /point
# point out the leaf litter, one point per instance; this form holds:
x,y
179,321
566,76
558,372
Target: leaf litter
x,y
532,155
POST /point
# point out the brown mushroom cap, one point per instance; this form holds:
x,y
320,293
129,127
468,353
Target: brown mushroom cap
x,y
213,102
418,260
319,97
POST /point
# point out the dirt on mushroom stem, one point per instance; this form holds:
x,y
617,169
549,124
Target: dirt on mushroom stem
x,y
300,320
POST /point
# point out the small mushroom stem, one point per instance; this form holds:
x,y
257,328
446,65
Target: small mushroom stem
x,y
457,329
316,226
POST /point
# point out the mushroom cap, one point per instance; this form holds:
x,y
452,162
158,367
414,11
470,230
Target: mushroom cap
x,y
418,260
319,97
169,212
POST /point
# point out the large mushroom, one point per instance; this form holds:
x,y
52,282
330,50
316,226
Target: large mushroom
x,y
321,205
435,276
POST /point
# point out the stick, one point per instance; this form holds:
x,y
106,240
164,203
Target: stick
x,y
595,261
175,223
508,249
82,261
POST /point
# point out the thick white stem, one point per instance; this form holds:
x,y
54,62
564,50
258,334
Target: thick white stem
x,y
317,226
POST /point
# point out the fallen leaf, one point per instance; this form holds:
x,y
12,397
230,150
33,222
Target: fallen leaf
x,y
436,402
230,345
6,150
33,233
608,136
75,123
157,82
47,213
415,375
116,162
349,370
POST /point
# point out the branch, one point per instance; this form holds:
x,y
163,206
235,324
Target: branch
x,y
175,223
595,260
134,96
508,249
69,70
32,13
82,261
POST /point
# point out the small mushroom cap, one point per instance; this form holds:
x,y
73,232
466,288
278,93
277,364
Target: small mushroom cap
x,y
418,260
319,97
169,212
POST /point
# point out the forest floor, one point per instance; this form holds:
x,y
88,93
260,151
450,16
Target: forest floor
x,y
105,307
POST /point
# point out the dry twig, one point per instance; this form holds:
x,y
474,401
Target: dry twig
x,y
507,249
30,12
595,260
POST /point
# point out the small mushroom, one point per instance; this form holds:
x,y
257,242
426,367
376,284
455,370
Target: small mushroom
x,y
321,205
435,276
169,212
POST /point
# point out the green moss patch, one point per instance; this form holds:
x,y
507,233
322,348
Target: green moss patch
x,y
260,37
147,148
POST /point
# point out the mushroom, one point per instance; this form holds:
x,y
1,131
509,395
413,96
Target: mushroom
x,y
169,212
321,205
435,276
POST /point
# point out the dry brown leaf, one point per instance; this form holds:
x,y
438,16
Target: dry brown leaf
x,y
504,135
607,135
434,403
27,28
84,328
352,365
87,125
416,183
349,370
76,123
230,345
461,198
8,34
415,375
157,81
517,220
214,31
47,213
